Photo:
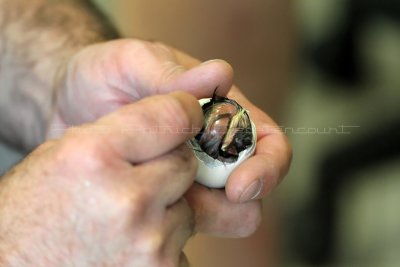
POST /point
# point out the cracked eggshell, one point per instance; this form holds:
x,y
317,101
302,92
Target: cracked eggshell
x,y
214,173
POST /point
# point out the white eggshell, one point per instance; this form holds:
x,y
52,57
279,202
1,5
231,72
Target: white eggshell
x,y
214,173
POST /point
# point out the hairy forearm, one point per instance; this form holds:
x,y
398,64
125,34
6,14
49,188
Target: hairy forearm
x,y
37,37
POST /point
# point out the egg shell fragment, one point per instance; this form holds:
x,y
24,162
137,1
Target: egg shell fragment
x,y
214,173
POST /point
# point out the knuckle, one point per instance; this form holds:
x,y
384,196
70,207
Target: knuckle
x,y
162,46
83,150
142,198
134,205
131,45
125,203
131,48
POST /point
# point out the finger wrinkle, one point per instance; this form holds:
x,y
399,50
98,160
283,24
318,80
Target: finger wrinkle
x,y
170,71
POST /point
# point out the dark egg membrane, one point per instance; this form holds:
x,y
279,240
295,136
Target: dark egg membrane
x,y
226,131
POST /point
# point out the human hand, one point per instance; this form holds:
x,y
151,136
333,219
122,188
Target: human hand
x,y
103,77
107,194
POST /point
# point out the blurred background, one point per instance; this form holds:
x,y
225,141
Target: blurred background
x,y
329,73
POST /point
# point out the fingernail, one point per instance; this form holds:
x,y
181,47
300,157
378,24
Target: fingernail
x,y
252,191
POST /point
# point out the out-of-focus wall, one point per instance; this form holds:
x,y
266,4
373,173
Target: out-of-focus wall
x,y
340,200
255,36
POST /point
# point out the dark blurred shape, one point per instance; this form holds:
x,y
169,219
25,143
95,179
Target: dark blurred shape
x,y
336,57
316,226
